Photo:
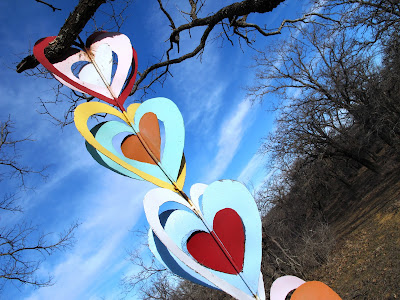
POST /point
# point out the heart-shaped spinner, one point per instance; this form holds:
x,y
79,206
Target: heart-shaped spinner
x,y
131,148
314,290
311,290
283,285
100,139
98,42
173,223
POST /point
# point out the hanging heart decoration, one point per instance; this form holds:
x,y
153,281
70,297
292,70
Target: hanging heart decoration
x,y
95,78
213,239
283,285
220,246
103,58
167,172
314,290
311,290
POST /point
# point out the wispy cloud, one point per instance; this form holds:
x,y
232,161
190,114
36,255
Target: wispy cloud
x,y
203,113
202,94
255,173
198,87
230,137
108,215
254,164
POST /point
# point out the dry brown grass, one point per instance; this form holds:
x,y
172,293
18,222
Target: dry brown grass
x,y
365,263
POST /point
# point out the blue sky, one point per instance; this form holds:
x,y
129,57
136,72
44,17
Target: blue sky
x,y
223,133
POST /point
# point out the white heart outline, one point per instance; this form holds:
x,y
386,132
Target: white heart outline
x,y
283,285
154,199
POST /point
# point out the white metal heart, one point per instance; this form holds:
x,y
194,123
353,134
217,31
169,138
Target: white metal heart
x,y
120,45
283,285
104,60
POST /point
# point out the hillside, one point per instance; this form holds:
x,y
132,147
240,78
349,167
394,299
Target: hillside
x,y
331,202
365,263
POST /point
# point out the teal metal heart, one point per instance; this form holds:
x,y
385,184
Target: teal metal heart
x,y
168,113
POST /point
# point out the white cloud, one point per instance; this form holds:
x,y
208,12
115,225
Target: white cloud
x,y
202,94
203,115
198,85
230,137
111,210
255,163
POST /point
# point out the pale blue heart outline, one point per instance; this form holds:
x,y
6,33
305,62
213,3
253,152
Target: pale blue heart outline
x,y
217,196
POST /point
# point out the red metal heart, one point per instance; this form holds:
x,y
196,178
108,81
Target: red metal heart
x,y
204,248
118,100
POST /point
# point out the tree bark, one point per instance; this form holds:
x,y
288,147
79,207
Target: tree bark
x,y
69,32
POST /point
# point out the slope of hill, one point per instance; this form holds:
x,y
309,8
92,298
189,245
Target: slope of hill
x,y
365,263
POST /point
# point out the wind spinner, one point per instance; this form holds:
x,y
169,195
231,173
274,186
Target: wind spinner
x,y
311,290
212,238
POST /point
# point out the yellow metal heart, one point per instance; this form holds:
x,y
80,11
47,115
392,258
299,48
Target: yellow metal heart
x,y
85,110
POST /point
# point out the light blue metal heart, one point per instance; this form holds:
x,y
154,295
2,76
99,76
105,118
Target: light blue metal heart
x,y
179,224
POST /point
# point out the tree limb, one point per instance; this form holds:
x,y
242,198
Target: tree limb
x,y
67,35
229,12
48,4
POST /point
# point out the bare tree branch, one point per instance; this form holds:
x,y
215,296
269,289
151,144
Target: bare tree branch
x,y
48,4
230,12
67,35
21,255
22,248
10,164
230,20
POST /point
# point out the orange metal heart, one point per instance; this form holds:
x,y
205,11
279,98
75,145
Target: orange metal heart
x,y
314,290
149,130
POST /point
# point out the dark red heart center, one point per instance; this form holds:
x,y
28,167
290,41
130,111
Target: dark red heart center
x,y
205,249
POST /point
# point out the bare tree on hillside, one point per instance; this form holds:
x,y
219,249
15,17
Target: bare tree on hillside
x,y
375,20
324,84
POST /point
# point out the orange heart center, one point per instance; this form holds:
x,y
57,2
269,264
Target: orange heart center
x,y
314,290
